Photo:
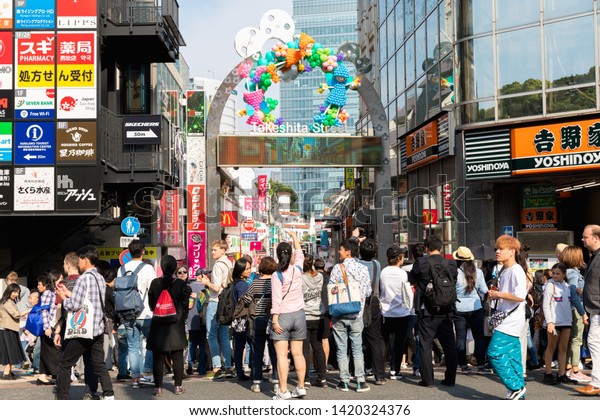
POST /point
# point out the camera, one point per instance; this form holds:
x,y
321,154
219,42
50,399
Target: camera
x,y
202,272
361,232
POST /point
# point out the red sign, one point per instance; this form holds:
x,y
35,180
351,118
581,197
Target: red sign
x,y
76,13
430,217
255,246
447,200
76,48
169,217
229,218
248,225
38,48
196,208
6,48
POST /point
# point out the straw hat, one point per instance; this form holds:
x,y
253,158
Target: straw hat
x,y
463,254
560,247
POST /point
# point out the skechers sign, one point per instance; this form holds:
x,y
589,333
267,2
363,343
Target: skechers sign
x,y
556,147
141,129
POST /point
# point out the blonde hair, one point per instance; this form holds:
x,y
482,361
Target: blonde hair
x,y
12,277
507,241
572,257
221,244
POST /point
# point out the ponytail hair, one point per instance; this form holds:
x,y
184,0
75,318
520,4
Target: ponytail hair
x,y
284,255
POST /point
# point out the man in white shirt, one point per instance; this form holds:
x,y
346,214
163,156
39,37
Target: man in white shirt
x,y
218,280
137,328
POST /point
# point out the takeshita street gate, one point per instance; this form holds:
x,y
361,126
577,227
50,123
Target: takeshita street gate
x,y
285,61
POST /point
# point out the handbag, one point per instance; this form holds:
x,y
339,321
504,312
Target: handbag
x,y
343,297
80,323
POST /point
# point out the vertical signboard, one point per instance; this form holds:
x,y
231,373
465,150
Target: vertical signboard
x,y
77,188
34,14
6,142
196,251
35,75
76,14
34,189
195,112
6,60
6,192
6,14
76,75
169,218
76,142
262,192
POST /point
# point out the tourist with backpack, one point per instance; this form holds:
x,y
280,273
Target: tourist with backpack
x,y
435,278
218,333
288,322
242,270
504,350
131,304
168,298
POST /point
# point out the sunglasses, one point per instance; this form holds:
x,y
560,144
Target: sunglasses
x,y
182,272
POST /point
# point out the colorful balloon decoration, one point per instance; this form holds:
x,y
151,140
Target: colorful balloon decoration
x,y
285,61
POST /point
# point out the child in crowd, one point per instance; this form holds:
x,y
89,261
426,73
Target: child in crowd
x,y
557,321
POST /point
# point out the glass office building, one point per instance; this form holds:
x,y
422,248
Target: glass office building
x,y
330,24
494,104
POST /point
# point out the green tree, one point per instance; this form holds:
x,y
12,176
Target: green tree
x,y
276,187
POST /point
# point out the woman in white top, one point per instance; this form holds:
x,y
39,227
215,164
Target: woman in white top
x,y
396,307
470,290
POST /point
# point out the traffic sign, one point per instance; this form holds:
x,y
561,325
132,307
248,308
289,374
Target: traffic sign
x,y
125,257
130,226
507,230
124,241
248,225
249,236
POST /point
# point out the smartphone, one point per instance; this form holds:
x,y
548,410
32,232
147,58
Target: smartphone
x,y
492,287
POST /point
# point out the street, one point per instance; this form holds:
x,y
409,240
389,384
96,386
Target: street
x,y
468,387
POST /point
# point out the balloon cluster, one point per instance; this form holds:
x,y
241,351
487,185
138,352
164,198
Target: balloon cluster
x,y
285,61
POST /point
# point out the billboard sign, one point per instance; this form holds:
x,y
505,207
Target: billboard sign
x,y
6,141
76,14
77,188
6,192
141,129
34,143
34,189
76,142
34,14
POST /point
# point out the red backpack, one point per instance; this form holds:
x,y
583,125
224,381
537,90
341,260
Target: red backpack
x,y
165,311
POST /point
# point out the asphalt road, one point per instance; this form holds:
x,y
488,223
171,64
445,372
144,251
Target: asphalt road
x,y
468,387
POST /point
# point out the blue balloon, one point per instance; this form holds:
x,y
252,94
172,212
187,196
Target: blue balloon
x,y
264,107
249,110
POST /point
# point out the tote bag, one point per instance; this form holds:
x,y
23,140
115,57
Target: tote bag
x,y
80,324
343,297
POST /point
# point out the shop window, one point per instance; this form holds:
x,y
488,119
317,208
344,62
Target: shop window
x,y
574,99
526,76
477,112
520,106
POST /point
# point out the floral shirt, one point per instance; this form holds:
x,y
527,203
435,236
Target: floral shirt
x,y
355,272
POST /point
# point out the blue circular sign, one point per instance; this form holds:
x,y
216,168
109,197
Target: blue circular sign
x,y
130,226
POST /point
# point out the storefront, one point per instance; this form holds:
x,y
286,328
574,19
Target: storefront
x,y
538,181
427,206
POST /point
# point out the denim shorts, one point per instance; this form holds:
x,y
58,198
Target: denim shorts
x,y
293,326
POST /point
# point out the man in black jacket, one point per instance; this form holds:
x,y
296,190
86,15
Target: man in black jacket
x,y
434,322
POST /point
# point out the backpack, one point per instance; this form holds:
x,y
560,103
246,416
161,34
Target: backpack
x,y
164,310
225,306
35,321
440,293
537,293
128,302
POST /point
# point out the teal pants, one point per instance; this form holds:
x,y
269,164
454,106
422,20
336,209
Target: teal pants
x,y
504,354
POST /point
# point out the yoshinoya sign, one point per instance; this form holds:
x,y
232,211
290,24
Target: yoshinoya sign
x,y
487,154
556,147
422,145
141,129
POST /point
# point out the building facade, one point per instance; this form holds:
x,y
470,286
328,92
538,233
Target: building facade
x,y
111,141
495,108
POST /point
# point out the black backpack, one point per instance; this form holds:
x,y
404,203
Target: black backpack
x,y
225,306
440,293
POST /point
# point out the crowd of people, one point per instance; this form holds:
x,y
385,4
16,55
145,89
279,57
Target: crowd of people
x,y
241,320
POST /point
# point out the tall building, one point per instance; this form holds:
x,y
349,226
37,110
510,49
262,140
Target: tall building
x,y
494,107
330,24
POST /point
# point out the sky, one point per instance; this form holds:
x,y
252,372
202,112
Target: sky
x,y
209,28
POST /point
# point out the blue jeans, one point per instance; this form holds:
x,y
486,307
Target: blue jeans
x,y
342,330
129,334
214,333
144,325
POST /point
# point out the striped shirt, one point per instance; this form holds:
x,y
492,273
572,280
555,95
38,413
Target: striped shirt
x,y
49,315
90,280
260,292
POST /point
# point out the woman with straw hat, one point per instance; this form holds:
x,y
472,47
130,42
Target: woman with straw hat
x,y
470,290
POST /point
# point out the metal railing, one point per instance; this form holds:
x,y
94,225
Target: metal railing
x,y
122,158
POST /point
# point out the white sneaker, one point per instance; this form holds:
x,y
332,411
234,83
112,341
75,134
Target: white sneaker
x,y
299,393
282,396
109,398
147,380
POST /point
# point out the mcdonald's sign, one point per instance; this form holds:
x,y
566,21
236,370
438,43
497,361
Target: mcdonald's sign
x,y
229,218
430,217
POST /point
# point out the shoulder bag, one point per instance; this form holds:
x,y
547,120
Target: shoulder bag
x,y
343,297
